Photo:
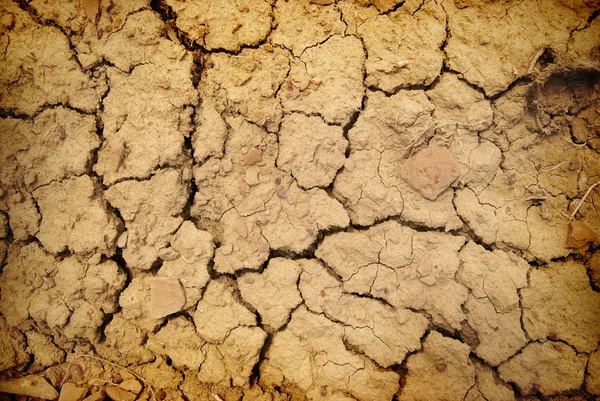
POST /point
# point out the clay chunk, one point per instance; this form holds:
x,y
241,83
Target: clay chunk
x,y
131,385
310,353
166,296
431,171
274,292
71,392
571,317
118,394
592,381
311,150
31,386
327,80
442,371
550,368
579,235
218,25
75,217
179,341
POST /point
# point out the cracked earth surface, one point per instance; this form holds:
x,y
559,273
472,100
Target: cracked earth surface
x,y
300,200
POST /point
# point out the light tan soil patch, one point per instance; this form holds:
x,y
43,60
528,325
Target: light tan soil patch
x,y
269,200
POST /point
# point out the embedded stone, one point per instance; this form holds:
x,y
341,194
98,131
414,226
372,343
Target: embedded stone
x,y
431,171
166,296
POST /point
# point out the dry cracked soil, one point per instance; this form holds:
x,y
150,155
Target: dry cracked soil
x,y
240,200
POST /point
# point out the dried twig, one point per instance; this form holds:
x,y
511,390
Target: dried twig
x,y
573,143
582,200
534,60
553,168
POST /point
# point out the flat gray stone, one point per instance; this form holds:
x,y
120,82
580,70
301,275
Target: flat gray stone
x,y
166,296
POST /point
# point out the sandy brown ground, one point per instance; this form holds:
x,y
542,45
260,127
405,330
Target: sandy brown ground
x,y
287,200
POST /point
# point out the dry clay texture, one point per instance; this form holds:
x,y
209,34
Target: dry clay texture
x,y
240,200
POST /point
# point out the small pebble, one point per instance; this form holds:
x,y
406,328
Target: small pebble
x,y
61,132
70,392
122,241
253,156
118,394
132,386
168,254
227,165
30,178
166,297
281,193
